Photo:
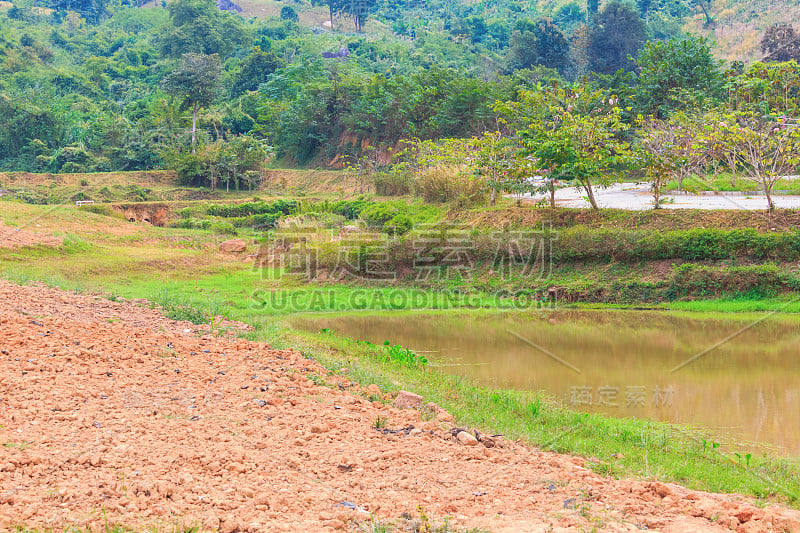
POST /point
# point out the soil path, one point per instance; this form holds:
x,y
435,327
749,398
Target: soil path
x,y
109,411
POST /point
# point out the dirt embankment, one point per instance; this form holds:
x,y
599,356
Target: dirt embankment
x,y
157,214
109,411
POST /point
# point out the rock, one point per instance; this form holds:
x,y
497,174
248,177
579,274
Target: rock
x,y
415,432
744,514
661,489
489,442
233,246
438,412
374,390
407,400
466,439
318,428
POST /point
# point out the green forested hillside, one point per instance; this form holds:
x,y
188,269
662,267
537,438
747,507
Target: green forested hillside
x,y
93,86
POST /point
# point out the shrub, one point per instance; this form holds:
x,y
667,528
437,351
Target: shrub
x,y
446,184
279,207
225,228
392,183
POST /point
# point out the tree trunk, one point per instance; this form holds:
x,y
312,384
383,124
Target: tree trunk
x,y
770,205
494,196
194,124
588,188
552,195
330,9
656,195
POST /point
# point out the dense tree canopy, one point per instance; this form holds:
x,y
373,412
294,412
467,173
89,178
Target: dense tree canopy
x,y
617,32
676,73
141,87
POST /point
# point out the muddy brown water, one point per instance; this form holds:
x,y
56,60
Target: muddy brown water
x,y
737,377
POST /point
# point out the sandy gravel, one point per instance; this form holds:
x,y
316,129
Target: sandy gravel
x,y
108,406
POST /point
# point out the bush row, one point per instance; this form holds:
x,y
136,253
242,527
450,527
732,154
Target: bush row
x,y
581,244
587,244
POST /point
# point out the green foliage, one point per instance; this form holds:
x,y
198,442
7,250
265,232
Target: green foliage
x,y
254,70
677,74
283,207
574,134
95,85
199,27
287,13
403,356
617,32
397,217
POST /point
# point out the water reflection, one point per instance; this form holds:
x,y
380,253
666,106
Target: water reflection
x,y
746,389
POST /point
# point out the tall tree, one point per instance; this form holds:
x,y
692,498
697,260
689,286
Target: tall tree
x,y
677,73
541,43
780,43
196,82
618,32
522,52
255,70
199,27
91,10
552,47
574,134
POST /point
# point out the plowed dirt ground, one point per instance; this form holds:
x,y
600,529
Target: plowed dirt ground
x,y
110,413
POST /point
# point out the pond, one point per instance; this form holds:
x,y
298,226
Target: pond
x,y
736,376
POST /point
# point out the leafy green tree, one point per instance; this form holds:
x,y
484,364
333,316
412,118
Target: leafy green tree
x,y
662,152
541,43
552,48
200,27
358,10
522,51
288,13
91,10
617,33
677,72
195,82
493,160
254,70
569,15
574,134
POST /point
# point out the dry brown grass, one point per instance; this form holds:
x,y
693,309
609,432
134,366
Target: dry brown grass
x,y
154,178
738,27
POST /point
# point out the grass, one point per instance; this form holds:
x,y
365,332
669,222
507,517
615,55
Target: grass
x,y
724,183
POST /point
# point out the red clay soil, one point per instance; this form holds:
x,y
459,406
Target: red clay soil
x,y
109,411
11,237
